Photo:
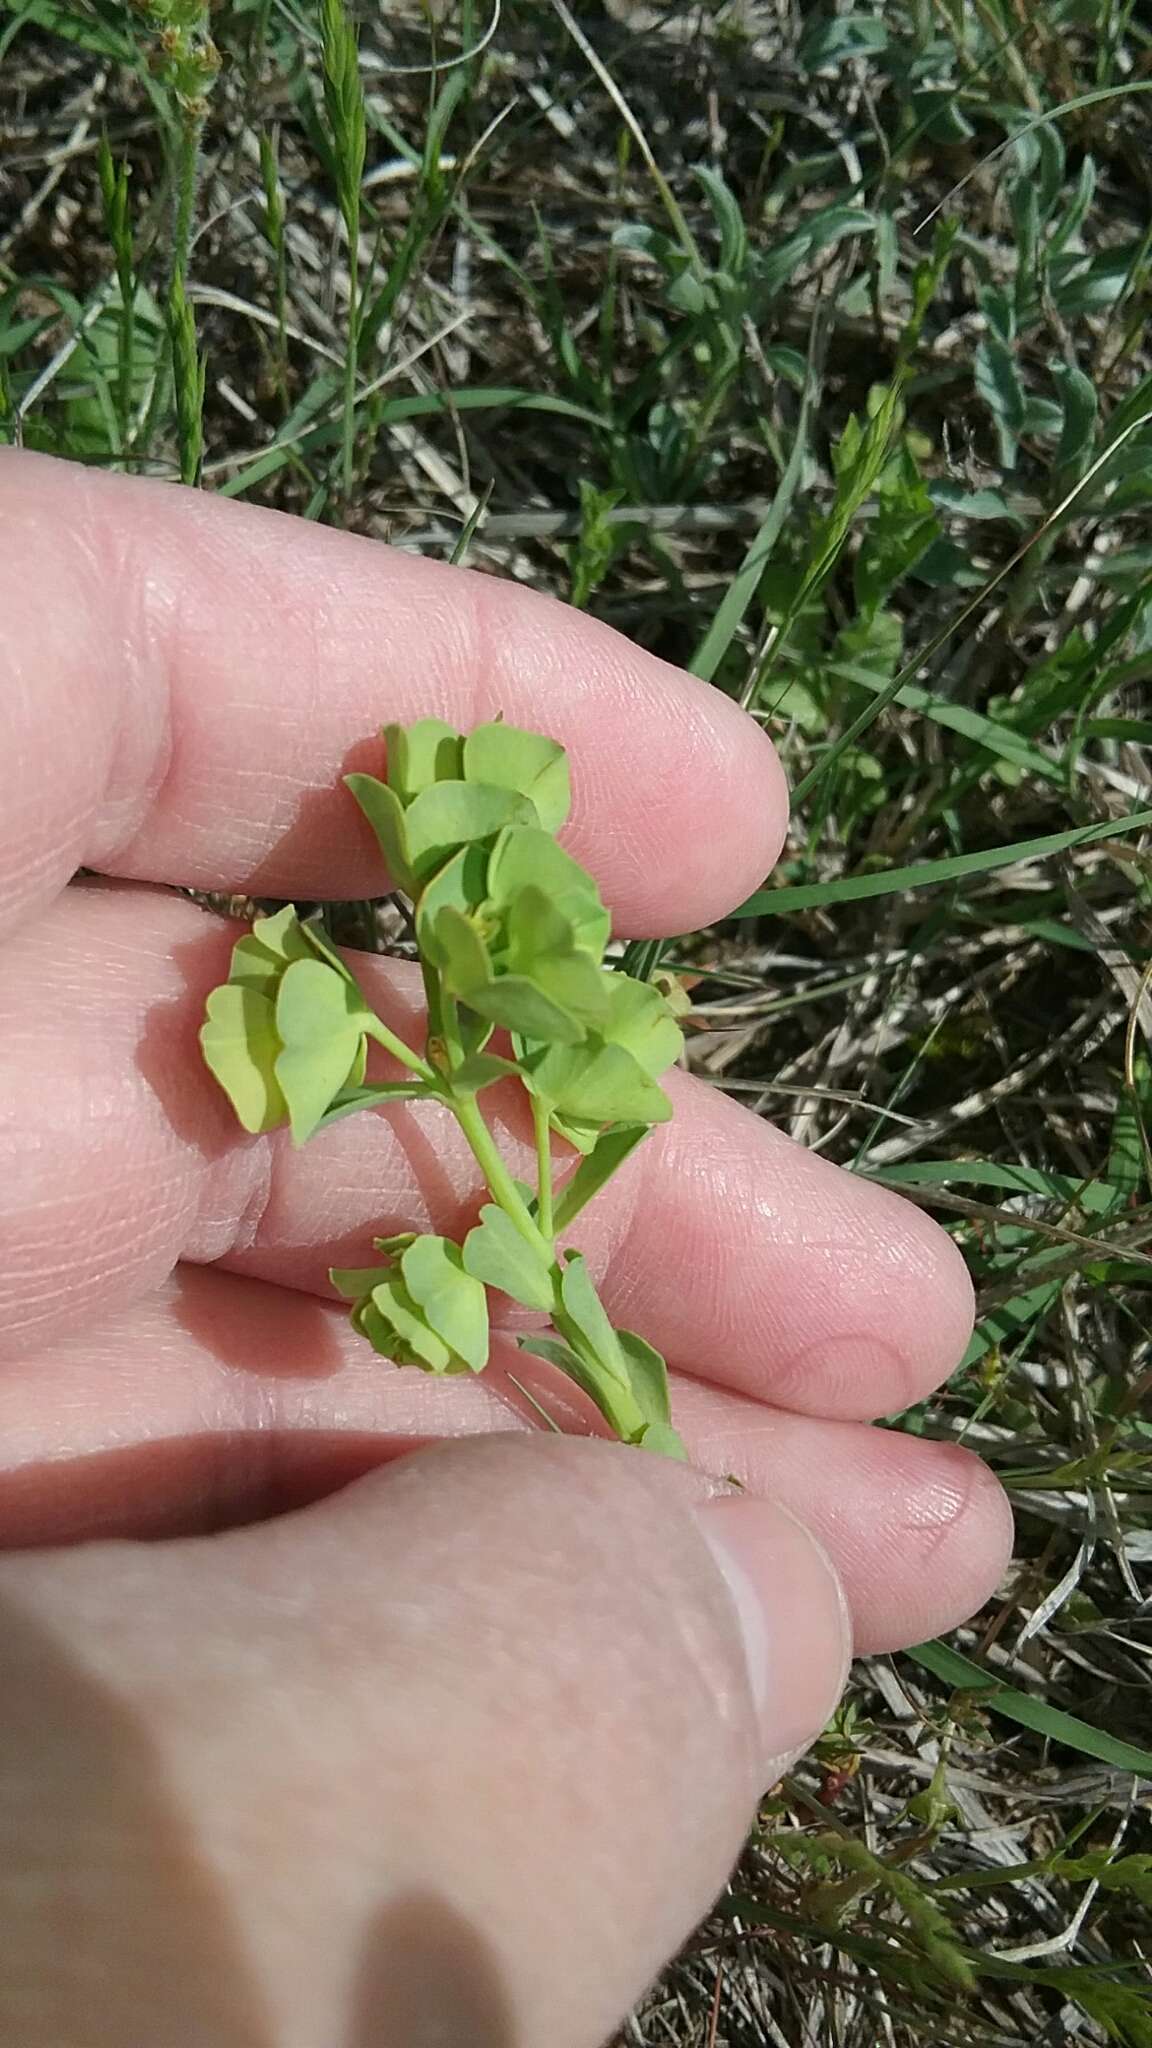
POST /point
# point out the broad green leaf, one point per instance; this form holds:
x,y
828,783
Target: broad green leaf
x,y
525,857
648,1375
321,947
729,219
259,959
454,1304
585,1310
528,762
241,1045
460,953
385,813
516,1004
998,384
422,753
449,814
611,1395
320,1018
609,1152
541,945
496,1253
596,1083
461,885
640,1020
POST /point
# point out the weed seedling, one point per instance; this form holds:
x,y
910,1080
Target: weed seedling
x,y
511,934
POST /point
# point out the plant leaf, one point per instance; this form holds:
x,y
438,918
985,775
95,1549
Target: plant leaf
x,y
394,1326
447,815
1030,1711
541,945
584,1308
495,1253
320,1019
241,1045
640,1020
525,857
385,813
597,1084
454,1303
558,1353
527,762
460,952
922,874
648,1374
461,885
664,1440
419,754
516,1004
259,959
610,1151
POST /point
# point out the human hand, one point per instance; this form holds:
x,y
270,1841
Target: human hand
x,y
481,1722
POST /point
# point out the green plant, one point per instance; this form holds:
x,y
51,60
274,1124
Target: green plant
x,y
512,933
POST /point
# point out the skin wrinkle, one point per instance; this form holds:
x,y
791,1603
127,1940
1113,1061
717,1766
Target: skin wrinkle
x,y
100,555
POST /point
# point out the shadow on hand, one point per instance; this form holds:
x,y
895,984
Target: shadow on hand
x,y
115,1927
428,1980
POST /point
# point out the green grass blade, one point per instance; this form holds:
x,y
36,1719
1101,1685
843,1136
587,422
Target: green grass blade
x,y
927,874
1050,1722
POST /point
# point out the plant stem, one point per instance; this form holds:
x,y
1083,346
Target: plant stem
x,y
351,361
187,176
184,183
543,1170
612,1395
484,1150
396,1046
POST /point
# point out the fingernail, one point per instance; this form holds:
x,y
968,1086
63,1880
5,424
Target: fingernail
x,y
792,1615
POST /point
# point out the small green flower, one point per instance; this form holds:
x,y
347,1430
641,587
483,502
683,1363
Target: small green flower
x,y
519,936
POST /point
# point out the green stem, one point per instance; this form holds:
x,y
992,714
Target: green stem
x,y
613,1397
184,186
127,367
187,179
544,1214
351,360
484,1150
399,1051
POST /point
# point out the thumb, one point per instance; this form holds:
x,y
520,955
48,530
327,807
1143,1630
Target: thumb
x,y
458,1756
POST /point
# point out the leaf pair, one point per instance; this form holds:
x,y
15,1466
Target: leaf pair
x,y
622,1374
444,791
610,1078
422,1308
286,1035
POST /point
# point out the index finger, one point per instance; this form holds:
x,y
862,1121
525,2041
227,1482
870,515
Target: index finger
x,y
184,680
